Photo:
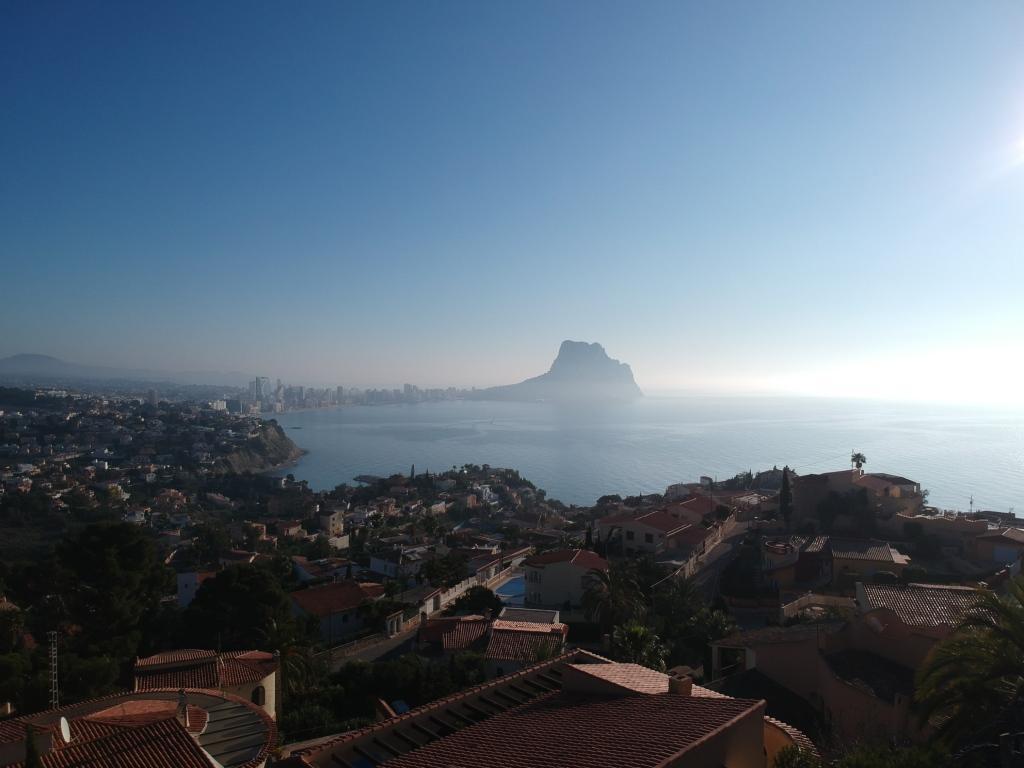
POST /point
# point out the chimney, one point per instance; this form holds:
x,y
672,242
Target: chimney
x,y
182,713
680,686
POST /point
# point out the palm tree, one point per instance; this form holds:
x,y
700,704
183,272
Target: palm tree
x,y
635,642
858,459
973,683
613,596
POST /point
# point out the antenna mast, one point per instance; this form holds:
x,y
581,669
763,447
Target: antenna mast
x,y
54,689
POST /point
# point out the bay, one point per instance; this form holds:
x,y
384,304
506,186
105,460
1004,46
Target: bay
x,y
580,452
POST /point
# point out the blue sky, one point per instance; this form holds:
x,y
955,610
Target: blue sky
x,y
812,197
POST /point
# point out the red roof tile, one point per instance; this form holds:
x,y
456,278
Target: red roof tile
x,y
338,597
703,505
182,656
629,677
581,558
584,732
922,605
110,722
865,549
661,521
1016,535
198,670
454,632
657,520
161,744
524,641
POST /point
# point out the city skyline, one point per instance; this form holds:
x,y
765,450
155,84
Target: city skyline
x,y
802,199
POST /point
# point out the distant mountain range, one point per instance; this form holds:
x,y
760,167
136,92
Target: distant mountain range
x,y
581,371
43,368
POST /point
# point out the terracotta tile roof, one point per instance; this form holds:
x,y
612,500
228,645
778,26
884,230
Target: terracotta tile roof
x,y
921,605
236,732
628,677
866,549
658,520
533,681
540,717
242,667
338,597
532,626
454,633
524,641
661,521
204,675
701,504
135,713
183,656
199,670
617,519
798,737
692,535
160,744
581,558
584,732
1015,535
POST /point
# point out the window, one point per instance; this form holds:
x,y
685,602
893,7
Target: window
x,y
629,535
649,538
259,696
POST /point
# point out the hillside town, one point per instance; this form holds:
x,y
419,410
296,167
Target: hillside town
x,y
162,597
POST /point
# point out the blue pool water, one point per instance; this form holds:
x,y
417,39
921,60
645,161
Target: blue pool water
x,y
512,592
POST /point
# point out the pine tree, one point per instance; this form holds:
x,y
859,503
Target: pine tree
x,y
786,498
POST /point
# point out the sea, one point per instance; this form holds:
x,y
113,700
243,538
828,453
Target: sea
x,y
578,452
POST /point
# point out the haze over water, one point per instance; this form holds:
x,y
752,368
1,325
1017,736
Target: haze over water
x,y
578,453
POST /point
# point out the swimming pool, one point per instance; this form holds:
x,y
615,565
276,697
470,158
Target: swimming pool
x,y
513,591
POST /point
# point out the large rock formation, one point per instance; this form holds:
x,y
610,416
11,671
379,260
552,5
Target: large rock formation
x,y
270,448
581,371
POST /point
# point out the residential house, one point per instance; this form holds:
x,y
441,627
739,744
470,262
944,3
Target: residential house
x,y
290,529
447,635
561,577
332,523
797,562
512,645
250,675
575,709
185,728
399,561
189,583
1002,547
888,495
336,605
858,674
650,532
860,559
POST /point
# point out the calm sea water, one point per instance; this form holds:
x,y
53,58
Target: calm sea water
x,y
578,453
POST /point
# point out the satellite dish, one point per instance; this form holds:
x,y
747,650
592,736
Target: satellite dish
x,y
65,730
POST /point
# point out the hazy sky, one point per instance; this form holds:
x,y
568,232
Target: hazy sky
x,y
820,197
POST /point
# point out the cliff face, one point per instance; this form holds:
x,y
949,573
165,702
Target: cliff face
x,y
269,449
581,371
